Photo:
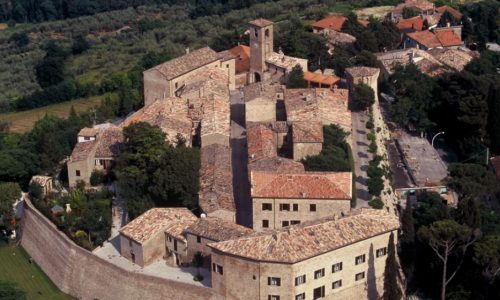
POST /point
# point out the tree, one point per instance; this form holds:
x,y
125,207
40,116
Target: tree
x,y
21,39
296,78
409,13
392,290
430,209
9,193
469,213
363,96
10,291
407,241
487,255
448,238
471,180
80,44
51,70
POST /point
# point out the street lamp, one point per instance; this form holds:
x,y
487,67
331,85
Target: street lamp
x,y
434,137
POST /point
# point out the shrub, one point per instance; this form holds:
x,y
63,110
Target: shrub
x,y
372,148
369,124
376,203
375,185
35,191
97,178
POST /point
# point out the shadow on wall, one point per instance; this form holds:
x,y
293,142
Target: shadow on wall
x,y
371,283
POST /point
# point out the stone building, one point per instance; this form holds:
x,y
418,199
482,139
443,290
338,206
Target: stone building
x,y
165,80
422,7
284,199
156,234
307,139
96,149
337,258
322,105
366,75
260,110
216,183
265,64
209,230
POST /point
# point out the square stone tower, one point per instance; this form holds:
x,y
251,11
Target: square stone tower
x,y
261,46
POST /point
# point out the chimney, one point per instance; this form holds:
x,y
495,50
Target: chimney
x,y
187,50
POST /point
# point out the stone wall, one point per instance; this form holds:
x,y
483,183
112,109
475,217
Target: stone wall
x,y
81,274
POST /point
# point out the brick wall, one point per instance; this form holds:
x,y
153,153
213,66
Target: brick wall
x,y
81,274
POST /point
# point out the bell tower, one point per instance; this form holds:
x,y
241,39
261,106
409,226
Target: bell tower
x,y
261,47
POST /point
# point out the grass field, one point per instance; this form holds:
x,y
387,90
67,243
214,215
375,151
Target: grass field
x,y
15,267
23,121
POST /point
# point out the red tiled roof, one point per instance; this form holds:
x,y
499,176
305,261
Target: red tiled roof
x,y
448,38
308,185
455,13
261,142
412,23
320,78
307,132
242,54
300,242
426,38
331,22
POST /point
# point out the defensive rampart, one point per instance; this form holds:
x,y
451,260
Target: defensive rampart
x,y
83,275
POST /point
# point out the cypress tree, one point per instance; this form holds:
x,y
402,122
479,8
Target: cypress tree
x,y
392,291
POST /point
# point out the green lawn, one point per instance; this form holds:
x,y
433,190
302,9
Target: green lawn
x,y
15,267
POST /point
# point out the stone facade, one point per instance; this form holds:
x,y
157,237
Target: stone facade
x,y
275,211
260,110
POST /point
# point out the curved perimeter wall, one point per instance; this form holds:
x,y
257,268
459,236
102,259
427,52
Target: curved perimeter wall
x,y
81,274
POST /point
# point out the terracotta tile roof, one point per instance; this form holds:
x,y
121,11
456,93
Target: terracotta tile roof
x,y
325,105
217,230
339,38
308,185
320,78
83,150
268,90
110,142
216,179
280,126
422,59
456,59
426,38
242,54
261,141
362,71
455,13
300,242
225,55
170,114
276,164
261,22
186,63
415,23
330,22
88,132
155,220
307,132
495,164
41,180
448,38
284,61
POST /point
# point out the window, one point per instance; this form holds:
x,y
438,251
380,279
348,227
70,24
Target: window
x,y
217,269
176,85
77,173
381,252
227,66
336,267
319,292
285,223
267,206
87,138
169,238
276,281
360,259
319,273
295,207
265,223
294,222
300,280
284,206
273,297
312,207
336,284
175,245
198,239
360,276
300,296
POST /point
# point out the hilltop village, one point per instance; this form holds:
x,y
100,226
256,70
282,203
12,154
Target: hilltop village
x,y
275,230
299,181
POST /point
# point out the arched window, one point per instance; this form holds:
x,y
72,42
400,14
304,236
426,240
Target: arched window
x,y
267,32
257,77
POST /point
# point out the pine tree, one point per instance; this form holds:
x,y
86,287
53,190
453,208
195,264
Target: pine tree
x,y
296,78
392,290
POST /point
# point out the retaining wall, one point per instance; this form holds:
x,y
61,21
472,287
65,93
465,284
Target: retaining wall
x,y
81,274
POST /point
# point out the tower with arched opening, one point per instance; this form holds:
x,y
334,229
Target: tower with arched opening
x,y
261,47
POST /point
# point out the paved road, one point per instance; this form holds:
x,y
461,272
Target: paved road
x,y
361,157
241,186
